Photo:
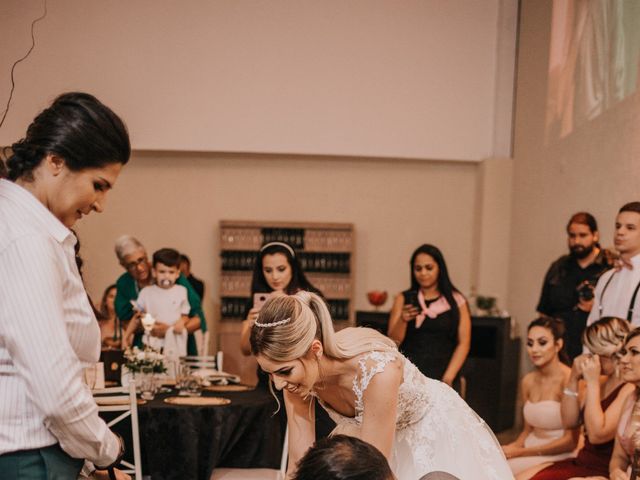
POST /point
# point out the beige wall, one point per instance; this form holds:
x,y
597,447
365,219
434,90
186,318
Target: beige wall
x,y
362,77
595,169
176,200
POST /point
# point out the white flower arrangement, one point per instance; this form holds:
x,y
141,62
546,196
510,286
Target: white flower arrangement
x,y
148,360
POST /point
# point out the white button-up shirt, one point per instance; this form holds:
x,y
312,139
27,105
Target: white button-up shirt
x,y
48,333
614,301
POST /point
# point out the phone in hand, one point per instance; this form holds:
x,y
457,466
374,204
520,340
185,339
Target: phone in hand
x,y
259,299
411,298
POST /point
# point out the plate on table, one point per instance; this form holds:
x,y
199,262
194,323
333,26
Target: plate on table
x,y
228,388
118,400
216,376
197,401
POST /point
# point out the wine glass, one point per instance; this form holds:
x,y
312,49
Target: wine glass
x,y
147,323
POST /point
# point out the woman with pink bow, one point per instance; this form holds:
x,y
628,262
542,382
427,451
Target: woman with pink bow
x,y
430,322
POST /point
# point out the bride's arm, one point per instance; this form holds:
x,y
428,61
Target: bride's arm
x,y
380,402
301,420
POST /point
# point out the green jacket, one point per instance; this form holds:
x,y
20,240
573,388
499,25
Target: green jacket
x,y
127,290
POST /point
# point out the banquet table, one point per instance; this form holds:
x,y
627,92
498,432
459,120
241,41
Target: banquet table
x,y
188,442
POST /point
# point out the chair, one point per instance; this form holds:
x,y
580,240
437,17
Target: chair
x,y
256,473
202,342
123,399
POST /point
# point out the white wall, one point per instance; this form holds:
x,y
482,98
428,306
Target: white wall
x,y
177,200
595,169
374,78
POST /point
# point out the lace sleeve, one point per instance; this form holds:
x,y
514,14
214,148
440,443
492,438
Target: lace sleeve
x,y
369,365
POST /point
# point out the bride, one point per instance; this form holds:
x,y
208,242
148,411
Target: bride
x,y
371,391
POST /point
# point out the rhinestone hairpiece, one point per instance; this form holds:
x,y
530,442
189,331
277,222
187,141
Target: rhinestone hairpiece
x,y
272,324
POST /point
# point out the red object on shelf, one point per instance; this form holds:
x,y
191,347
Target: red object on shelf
x,y
377,297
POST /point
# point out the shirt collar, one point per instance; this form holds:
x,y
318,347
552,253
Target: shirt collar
x,y
25,200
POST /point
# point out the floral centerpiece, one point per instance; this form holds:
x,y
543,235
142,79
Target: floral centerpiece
x,y
148,360
142,367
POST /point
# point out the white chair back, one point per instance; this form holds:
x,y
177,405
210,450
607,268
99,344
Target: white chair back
x,y
123,399
202,342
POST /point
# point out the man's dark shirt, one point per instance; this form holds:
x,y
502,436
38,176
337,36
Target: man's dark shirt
x,y
198,285
559,297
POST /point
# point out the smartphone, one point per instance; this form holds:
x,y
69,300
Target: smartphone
x,y
411,298
259,299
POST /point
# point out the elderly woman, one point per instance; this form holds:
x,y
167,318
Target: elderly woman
x,y
61,171
133,257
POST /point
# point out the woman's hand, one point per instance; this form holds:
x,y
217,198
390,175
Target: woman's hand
x,y
576,367
409,312
512,450
591,369
252,316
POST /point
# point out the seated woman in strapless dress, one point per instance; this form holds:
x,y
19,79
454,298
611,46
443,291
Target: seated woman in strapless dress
x,y
544,438
594,396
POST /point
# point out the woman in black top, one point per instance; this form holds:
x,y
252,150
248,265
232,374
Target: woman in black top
x,y
430,322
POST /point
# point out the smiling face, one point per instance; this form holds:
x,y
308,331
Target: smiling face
x,y
541,346
277,271
296,376
630,361
425,270
74,194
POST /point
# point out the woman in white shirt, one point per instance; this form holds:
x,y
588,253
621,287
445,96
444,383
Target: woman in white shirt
x,y
70,158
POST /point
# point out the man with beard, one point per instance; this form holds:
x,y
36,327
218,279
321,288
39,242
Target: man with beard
x,y
616,294
568,289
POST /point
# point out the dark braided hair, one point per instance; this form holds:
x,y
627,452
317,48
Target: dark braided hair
x,y
78,128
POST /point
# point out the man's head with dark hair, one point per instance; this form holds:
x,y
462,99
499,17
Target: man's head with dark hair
x,y
630,207
582,235
341,457
627,234
166,267
583,218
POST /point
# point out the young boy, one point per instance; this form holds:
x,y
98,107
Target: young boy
x,y
165,301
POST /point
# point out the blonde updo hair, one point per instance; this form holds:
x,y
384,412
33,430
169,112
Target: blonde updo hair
x,y
606,336
288,324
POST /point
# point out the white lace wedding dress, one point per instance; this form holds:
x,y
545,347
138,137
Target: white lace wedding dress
x,y
435,429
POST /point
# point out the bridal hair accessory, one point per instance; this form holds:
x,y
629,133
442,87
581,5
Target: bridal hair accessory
x,y
280,244
272,324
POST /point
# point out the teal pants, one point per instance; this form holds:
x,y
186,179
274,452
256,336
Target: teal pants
x,y
48,463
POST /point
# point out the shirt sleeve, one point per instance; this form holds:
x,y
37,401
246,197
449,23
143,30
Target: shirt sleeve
x,y
34,332
194,302
543,303
185,308
142,299
122,303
